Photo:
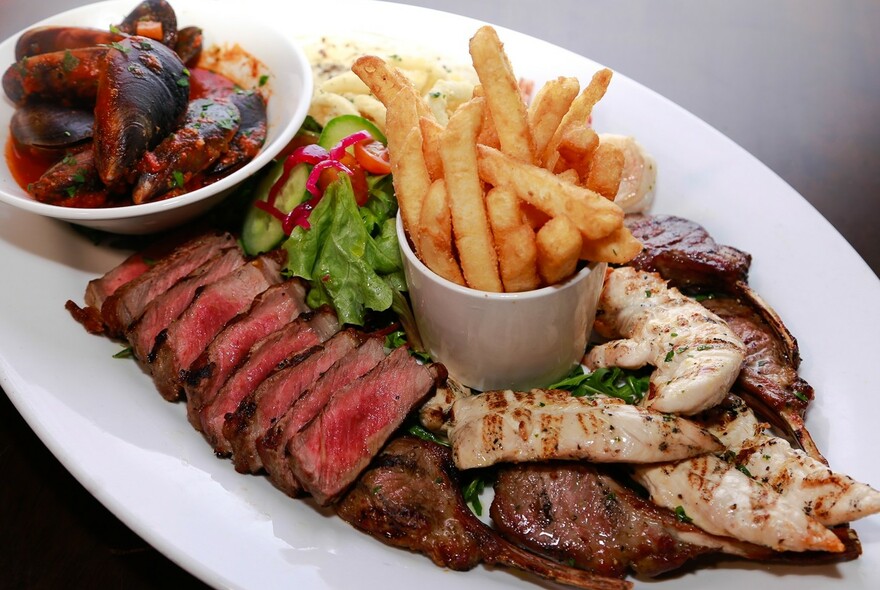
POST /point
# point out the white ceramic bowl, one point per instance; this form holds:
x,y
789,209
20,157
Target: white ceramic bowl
x,y
289,90
502,340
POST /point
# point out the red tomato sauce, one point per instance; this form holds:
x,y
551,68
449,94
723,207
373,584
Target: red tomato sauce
x,y
28,165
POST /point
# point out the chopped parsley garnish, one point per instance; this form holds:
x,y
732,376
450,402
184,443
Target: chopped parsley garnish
x,y
669,356
682,515
471,493
125,353
425,434
119,46
263,79
69,61
744,469
178,179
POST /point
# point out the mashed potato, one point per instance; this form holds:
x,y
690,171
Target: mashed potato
x,y
339,91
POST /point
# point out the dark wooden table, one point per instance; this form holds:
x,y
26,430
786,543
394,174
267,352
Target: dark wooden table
x,y
755,70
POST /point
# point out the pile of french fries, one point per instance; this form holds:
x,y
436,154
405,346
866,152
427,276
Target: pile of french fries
x,y
505,197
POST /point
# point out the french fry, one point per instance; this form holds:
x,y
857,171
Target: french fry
x,y
402,129
435,237
387,83
473,237
594,215
409,173
569,175
606,170
514,241
559,247
549,106
578,114
619,247
488,135
502,95
576,149
431,131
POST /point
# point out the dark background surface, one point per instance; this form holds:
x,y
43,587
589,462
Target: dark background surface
x,y
795,83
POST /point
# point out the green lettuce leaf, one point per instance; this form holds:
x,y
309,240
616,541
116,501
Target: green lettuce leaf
x,y
350,254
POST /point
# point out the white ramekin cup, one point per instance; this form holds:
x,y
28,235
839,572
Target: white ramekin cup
x,y
502,340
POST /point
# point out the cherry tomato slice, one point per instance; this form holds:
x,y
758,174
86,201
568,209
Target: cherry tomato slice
x,y
358,179
373,156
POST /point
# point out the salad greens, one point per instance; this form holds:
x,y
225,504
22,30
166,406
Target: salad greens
x,y
350,254
343,241
630,386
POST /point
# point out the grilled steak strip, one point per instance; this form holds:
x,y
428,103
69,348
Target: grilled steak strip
x,y
684,253
575,513
127,303
270,311
261,409
212,308
267,355
410,498
272,447
167,306
328,454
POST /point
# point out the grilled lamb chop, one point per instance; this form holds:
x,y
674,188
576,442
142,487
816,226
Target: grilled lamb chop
x,y
270,311
267,355
272,447
410,498
167,306
769,380
262,408
570,511
329,452
686,255
128,302
214,305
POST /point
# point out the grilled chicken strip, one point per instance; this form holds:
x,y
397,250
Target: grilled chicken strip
x,y
696,355
829,497
722,500
508,426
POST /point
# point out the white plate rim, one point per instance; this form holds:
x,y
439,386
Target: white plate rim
x,y
789,220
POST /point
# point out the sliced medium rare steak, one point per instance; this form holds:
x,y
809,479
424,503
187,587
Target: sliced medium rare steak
x,y
167,306
270,311
266,356
272,447
575,513
684,253
259,410
329,452
127,303
410,497
214,305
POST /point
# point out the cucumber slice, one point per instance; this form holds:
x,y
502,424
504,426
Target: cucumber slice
x,y
338,128
261,231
